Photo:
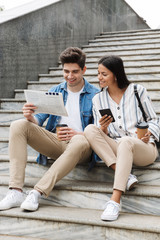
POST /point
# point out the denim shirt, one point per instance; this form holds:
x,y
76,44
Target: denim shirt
x,y
85,110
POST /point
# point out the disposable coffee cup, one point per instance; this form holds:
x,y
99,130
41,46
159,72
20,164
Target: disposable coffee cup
x,y
142,129
58,128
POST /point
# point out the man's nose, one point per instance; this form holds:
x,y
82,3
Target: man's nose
x,y
70,75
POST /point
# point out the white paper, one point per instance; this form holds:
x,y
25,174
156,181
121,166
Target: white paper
x,y
46,102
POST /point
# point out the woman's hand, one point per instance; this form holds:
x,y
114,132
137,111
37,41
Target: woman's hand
x,y
146,137
66,133
28,110
104,122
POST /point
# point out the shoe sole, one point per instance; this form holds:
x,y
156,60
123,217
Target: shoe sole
x,y
109,218
28,209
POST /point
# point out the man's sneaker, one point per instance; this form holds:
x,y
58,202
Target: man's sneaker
x,y
31,202
132,180
111,212
13,199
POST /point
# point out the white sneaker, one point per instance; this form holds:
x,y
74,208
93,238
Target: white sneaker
x,y
13,199
31,202
132,180
111,212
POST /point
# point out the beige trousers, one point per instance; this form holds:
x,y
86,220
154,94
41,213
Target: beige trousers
x,y
125,153
66,153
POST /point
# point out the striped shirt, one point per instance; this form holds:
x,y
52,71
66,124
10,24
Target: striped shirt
x,y
127,113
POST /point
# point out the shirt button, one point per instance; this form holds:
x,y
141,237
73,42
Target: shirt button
x,y
119,117
118,108
120,127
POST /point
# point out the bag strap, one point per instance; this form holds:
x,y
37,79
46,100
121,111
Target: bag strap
x,y
139,103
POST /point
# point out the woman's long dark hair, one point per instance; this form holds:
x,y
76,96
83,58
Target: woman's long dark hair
x,y
115,65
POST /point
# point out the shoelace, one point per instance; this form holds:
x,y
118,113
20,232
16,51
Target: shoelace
x,y
31,197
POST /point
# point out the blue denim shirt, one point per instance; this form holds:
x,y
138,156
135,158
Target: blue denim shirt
x,y
85,110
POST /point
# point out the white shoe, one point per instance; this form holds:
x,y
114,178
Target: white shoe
x,y
31,202
132,180
13,199
111,212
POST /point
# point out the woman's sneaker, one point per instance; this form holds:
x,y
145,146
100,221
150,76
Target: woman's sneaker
x,y
13,199
111,212
132,180
31,202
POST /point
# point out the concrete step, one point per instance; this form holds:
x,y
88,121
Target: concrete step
x,y
7,116
143,199
12,237
105,38
130,59
121,52
4,130
141,32
149,175
119,47
68,223
124,43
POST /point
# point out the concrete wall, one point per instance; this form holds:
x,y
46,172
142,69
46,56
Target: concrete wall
x,y
30,44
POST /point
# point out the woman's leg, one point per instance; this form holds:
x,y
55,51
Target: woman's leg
x,y
131,151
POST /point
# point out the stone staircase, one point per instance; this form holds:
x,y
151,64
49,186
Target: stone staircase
x,y
73,209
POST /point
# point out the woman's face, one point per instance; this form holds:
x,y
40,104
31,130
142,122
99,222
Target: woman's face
x,y
106,77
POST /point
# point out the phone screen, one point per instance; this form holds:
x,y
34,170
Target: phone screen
x,y
107,112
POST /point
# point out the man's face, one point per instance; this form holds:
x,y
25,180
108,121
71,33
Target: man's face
x,y
73,74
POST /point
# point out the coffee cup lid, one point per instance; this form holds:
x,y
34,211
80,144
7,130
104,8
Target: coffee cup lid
x,y
142,125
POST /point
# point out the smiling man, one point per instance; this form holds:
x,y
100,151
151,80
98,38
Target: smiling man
x,y
70,148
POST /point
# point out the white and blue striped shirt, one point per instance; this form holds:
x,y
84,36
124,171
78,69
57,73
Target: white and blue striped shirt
x,y
127,113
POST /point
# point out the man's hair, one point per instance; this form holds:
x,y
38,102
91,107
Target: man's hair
x,y
73,55
115,65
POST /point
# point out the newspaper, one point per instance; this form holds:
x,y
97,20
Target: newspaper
x,y
46,102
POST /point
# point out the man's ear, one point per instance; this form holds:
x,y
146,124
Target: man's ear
x,y
84,69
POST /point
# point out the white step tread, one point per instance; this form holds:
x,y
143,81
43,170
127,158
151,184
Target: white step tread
x,y
12,237
90,186
88,217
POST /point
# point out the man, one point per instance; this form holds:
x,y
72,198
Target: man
x,y
73,147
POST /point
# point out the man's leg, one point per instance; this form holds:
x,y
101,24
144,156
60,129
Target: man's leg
x,y
23,132
78,150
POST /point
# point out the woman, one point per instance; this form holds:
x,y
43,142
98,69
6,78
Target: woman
x,y
116,143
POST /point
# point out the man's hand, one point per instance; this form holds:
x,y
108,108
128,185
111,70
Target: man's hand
x,y
28,110
66,133
104,122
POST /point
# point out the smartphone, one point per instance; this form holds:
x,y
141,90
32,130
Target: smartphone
x,y
107,112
